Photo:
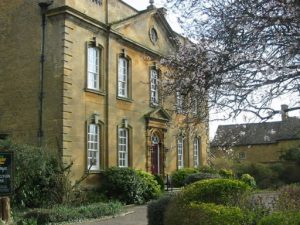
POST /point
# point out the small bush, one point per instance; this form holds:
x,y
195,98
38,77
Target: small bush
x,y
129,186
226,173
289,197
156,210
160,181
178,177
199,176
248,179
205,214
207,169
219,191
68,214
151,189
281,218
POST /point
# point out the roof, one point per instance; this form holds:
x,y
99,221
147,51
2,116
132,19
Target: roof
x,y
257,133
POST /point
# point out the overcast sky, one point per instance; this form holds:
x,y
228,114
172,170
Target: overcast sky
x,y
142,4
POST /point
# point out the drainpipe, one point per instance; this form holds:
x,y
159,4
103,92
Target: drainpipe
x,y
43,4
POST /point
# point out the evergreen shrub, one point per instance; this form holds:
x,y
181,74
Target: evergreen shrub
x,y
281,218
178,177
205,214
219,191
156,210
248,179
129,186
200,176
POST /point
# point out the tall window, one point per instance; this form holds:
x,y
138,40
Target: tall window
x,y
123,147
196,152
154,86
180,152
179,102
123,77
93,74
93,147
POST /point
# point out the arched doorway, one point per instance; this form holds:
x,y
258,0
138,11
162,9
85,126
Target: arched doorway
x,y
155,154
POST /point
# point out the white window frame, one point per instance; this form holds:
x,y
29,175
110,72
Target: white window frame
x,y
179,102
93,68
93,147
196,145
123,72
180,151
123,147
154,86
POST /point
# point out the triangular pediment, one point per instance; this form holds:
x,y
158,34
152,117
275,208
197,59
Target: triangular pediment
x,y
138,29
158,114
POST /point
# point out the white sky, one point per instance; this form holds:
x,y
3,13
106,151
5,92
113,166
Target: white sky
x,y
142,4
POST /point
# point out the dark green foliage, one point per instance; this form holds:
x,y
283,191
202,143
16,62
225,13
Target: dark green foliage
x,y
219,191
156,210
205,214
289,198
129,186
40,180
178,177
160,181
265,176
200,176
248,179
282,218
63,214
292,155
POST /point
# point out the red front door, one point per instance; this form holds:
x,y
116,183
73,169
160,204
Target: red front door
x,y
155,159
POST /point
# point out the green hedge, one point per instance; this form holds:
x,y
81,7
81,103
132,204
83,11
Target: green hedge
x,y
219,191
64,213
248,179
205,214
200,176
156,210
281,218
178,177
130,186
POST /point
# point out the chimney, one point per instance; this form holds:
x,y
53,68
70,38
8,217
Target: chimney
x,y
284,114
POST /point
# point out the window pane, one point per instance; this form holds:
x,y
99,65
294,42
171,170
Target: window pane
x,y
93,68
93,147
122,77
123,147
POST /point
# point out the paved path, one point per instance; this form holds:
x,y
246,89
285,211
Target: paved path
x,y
137,215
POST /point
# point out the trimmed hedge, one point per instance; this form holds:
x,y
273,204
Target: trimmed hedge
x,y
200,176
178,177
219,191
281,218
129,186
64,213
205,214
156,210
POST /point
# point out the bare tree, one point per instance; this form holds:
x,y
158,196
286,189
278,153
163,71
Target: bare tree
x,y
246,53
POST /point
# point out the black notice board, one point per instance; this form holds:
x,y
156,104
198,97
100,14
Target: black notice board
x,y
6,173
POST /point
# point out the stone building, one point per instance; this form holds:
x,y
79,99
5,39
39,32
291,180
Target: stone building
x,y
87,87
257,142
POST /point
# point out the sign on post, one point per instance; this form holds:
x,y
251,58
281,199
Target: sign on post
x,y
6,169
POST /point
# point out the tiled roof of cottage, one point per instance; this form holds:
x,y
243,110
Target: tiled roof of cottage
x,y
257,133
